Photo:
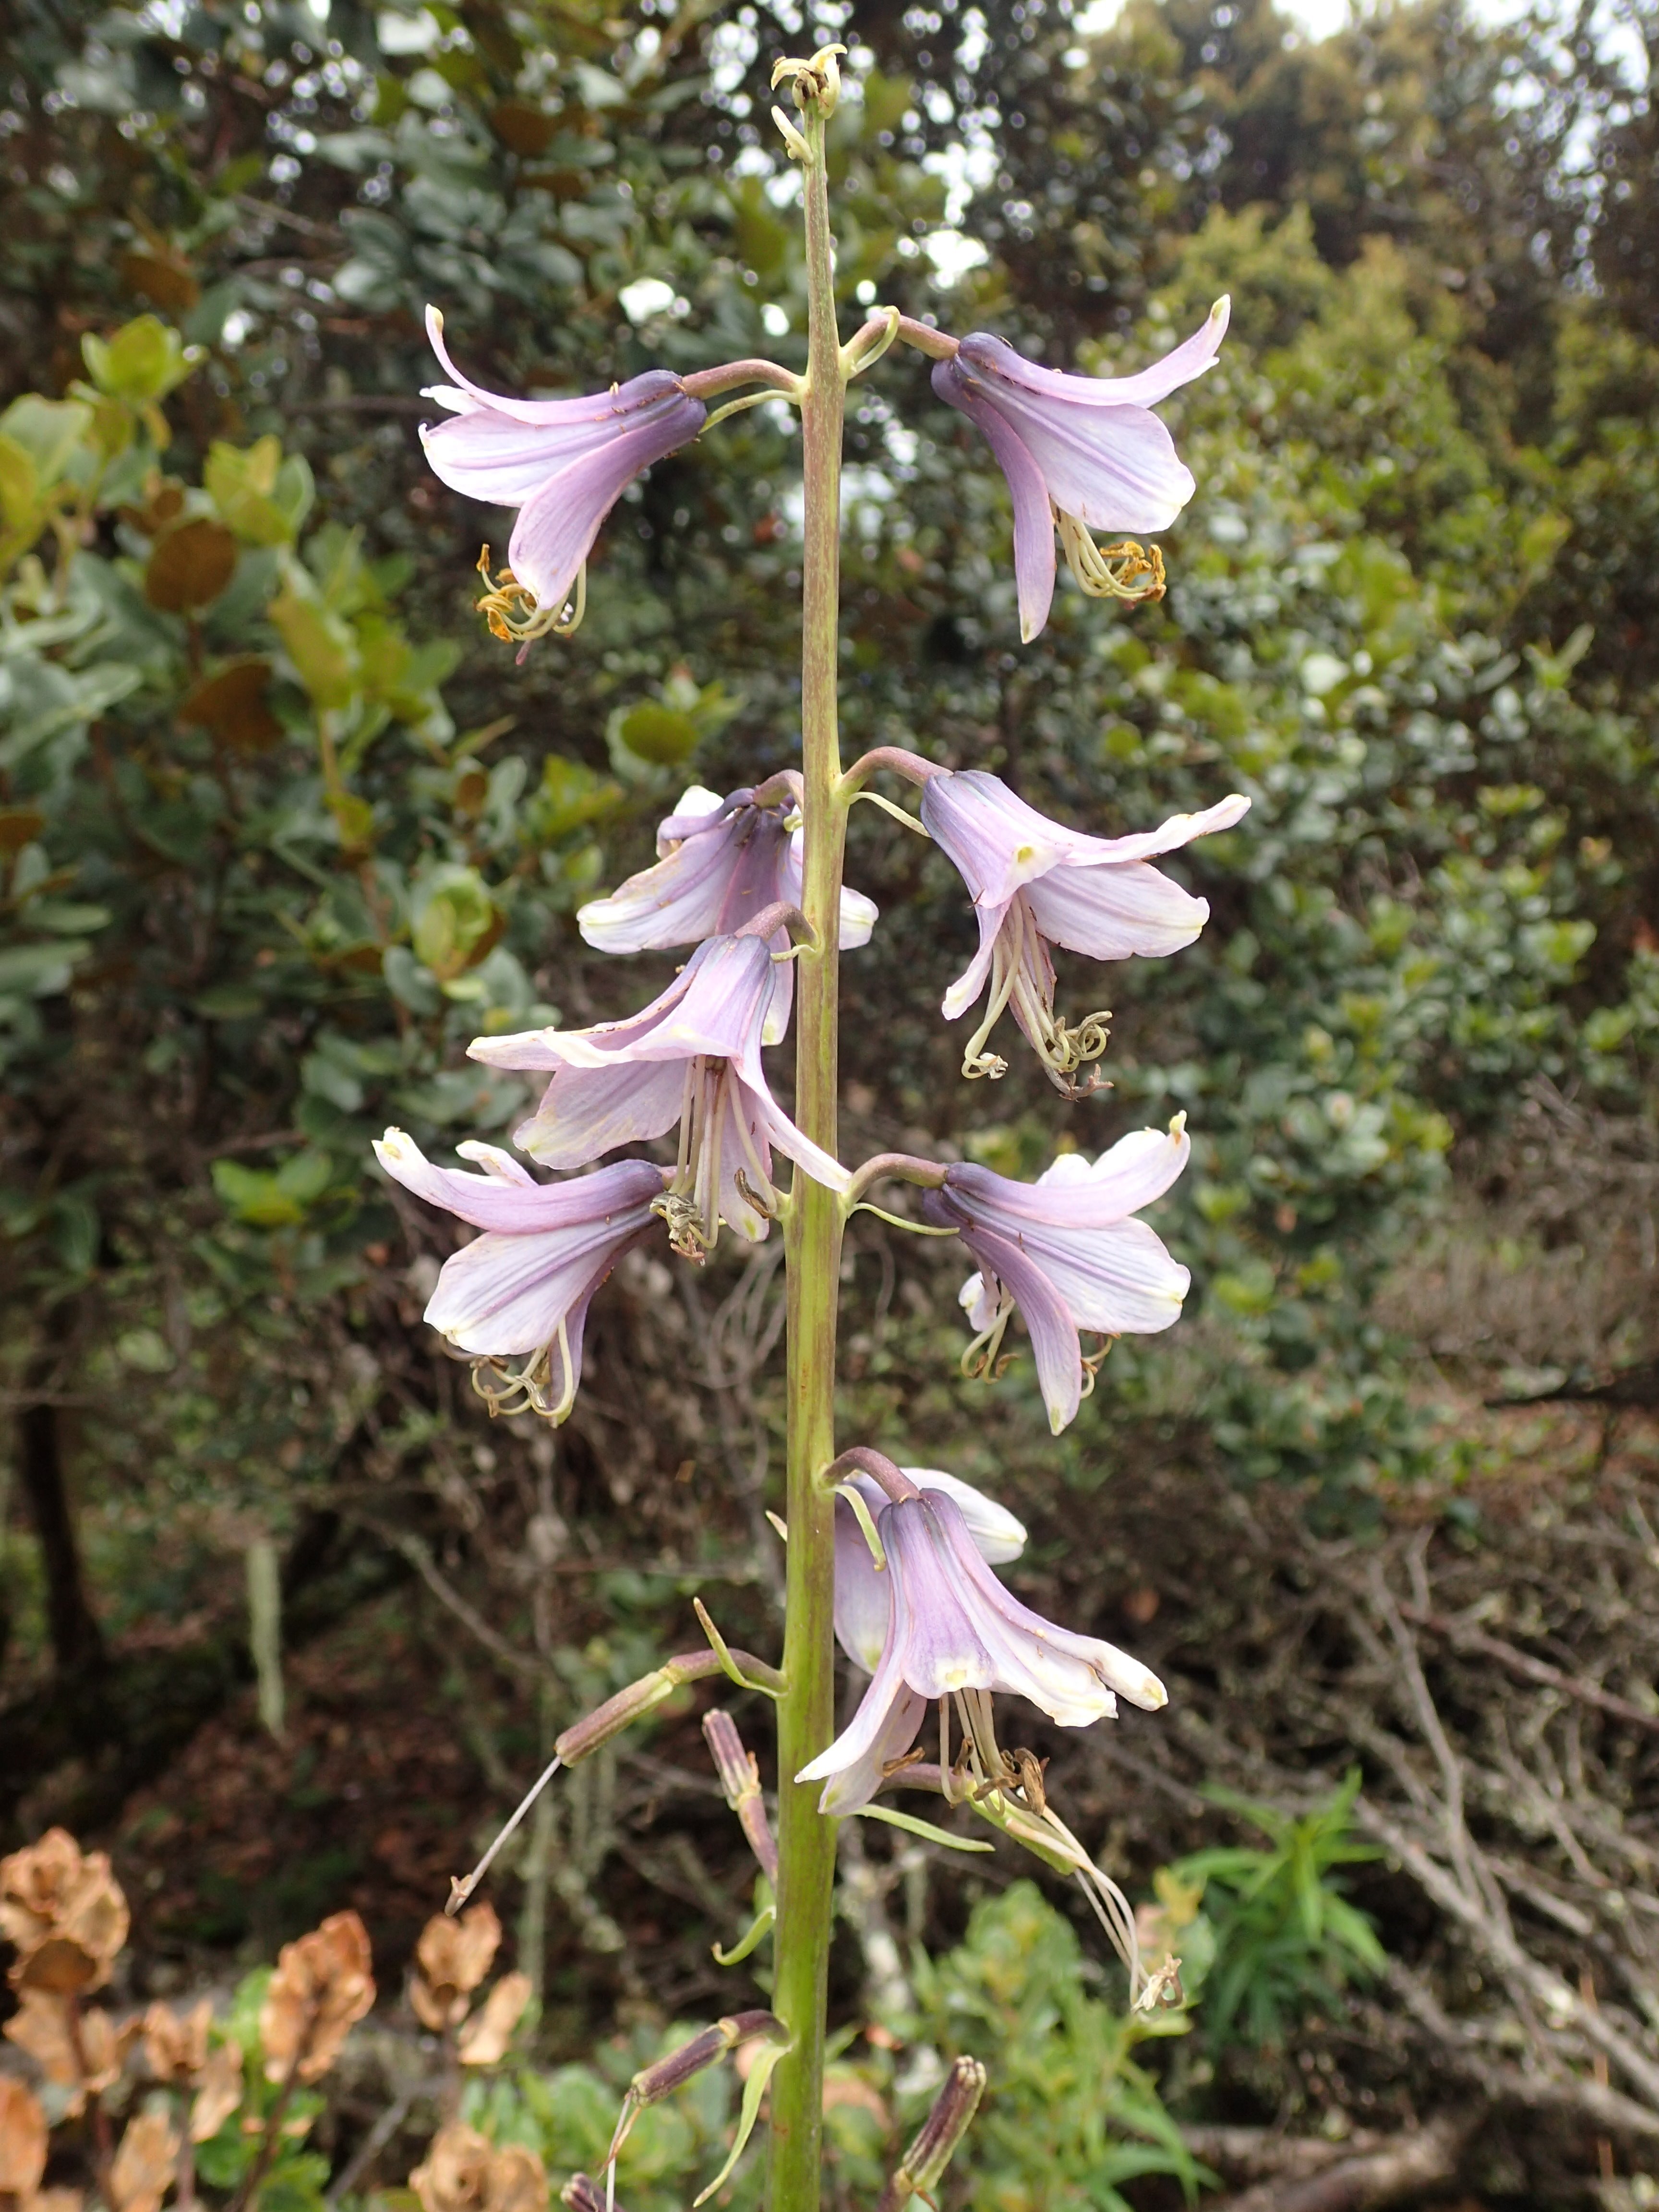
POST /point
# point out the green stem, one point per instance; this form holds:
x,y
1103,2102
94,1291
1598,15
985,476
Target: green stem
x,y
806,1842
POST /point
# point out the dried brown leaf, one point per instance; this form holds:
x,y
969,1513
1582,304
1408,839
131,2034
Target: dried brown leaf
x,y
454,2175
484,2038
176,2043
454,1957
23,2139
144,2166
463,2172
43,2026
220,2093
322,1986
518,2181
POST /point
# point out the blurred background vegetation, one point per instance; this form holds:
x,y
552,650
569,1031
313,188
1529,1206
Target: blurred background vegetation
x,y
284,1621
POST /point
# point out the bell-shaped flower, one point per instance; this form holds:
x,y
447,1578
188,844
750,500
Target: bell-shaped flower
x,y
563,463
690,1058
721,862
1084,452
521,1290
954,1632
861,1588
1068,1251
1035,883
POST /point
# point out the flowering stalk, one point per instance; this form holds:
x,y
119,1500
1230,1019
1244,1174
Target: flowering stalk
x,y
806,1840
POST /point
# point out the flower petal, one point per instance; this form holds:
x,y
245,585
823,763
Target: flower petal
x,y
582,407
518,1207
994,362
1053,1331
557,527
998,1536
586,1112
863,1595
1034,522
1117,911
509,1294
1118,1672
1131,1173
1114,468
997,842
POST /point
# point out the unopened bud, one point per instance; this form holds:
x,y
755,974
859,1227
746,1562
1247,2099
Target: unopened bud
x,y
582,2195
941,2133
740,1780
652,2083
584,1737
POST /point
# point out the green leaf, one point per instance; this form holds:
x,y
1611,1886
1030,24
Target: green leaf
x,y
142,363
913,1826
50,432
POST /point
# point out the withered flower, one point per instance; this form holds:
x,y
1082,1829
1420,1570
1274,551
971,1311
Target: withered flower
x,y
453,1957
219,2093
321,1988
22,2141
464,2172
487,2034
84,2057
65,1912
145,2165
176,2043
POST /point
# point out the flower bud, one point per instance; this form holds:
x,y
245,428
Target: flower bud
x,y
941,2132
652,2083
740,1780
584,1737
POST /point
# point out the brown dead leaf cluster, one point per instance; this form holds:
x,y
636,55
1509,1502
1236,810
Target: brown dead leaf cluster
x,y
452,1958
80,2051
180,2050
464,2172
64,1911
323,1985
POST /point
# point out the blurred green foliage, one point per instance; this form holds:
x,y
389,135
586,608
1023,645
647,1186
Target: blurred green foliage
x,y
1014,1994
1286,1937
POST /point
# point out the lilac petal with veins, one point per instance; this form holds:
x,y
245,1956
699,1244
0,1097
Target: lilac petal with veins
x,y
1034,522
953,1627
546,1248
1068,1251
861,1592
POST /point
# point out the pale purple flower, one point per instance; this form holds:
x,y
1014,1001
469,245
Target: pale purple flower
x,y
1082,451
1068,1253
692,1057
523,1287
721,862
1034,884
954,1632
563,463
861,1589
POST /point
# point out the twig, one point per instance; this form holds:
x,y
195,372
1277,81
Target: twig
x,y
1404,2165
377,2139
1466,1638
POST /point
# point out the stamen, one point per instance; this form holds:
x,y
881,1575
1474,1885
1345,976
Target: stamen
x,y
683,1217
1092,1363
1111,572
975,1060
512,610
508,1391
980,1362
